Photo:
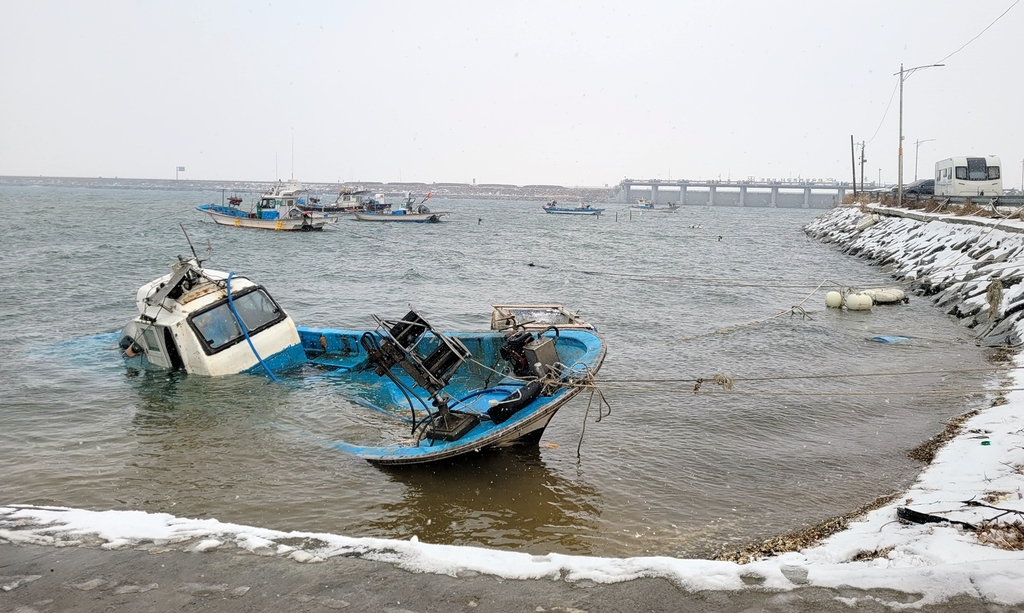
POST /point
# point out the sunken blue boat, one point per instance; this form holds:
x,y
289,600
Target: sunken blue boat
x,y
427,395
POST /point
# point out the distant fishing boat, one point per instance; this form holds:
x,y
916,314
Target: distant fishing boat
x,y
643,205
411,212
580,209
278,209
349,200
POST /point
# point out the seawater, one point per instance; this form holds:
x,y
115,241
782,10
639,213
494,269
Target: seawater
x,y
678,297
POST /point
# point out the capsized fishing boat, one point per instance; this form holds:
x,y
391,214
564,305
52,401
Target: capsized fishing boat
x,y
278,209
409,212
581,209
425,394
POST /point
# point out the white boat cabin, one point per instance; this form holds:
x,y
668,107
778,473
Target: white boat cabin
x,y
188,321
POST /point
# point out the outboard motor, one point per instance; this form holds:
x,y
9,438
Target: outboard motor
x,y
513,352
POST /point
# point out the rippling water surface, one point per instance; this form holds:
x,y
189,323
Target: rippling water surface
x,y
667,472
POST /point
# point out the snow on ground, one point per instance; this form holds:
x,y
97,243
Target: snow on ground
x,y
984,464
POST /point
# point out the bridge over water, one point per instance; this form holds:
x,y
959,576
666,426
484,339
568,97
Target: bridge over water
x,y
769,194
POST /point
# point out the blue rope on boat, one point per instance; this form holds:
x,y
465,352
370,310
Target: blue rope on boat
x,y
245,331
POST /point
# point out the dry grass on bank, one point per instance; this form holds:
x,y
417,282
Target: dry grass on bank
x,y
932,205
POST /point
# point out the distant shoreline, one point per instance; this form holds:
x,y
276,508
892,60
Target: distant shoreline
x,y
483,191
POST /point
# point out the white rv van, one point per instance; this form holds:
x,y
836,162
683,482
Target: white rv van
x,y
968,176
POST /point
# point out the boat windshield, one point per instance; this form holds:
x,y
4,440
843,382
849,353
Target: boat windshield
x,y
218,328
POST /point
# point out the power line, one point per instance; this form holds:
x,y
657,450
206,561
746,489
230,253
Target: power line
x,y
891,96
888,106
979,33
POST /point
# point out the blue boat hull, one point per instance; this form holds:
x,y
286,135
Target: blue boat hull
x,y
473,389
558,211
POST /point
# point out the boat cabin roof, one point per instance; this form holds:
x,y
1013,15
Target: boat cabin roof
x,y
535,317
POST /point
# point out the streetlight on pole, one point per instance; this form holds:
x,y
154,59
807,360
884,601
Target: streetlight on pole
x,y
903,76
917,147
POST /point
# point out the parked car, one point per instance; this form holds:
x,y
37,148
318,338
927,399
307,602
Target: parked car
x,y
924,186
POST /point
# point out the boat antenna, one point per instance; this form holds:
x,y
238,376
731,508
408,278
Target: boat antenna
x,y
190,246
293,154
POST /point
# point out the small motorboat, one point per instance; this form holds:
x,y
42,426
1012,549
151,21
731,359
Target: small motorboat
x,y
581,209
410,212
281,208
349,200
426,395
650,207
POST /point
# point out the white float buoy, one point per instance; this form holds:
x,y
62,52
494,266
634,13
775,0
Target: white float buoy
x,y
886,295
858,302
834,300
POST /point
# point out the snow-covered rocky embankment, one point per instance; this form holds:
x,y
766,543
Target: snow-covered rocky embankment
x,y
966,509
967,265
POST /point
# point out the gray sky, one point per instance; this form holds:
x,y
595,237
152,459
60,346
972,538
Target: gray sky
x,y
516,92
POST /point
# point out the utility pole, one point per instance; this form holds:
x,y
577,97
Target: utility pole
x,y
903,76
853,163
917,147
862,161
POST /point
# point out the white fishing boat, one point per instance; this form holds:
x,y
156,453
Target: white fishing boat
x,y
349,200
650,207
278,209
411,212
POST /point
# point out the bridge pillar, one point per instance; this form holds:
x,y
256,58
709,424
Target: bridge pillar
x,y
807,197
743,195
775,197
682,195
654,194
625,193
711,195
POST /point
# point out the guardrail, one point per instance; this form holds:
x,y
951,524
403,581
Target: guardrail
x,y
982,201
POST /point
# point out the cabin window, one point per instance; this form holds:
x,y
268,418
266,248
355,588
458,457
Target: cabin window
x,y
257,310
961,173
218,328
150,337
993,172
976,169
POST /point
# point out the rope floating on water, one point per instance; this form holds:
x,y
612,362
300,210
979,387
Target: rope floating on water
x,y
830,376
797,309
